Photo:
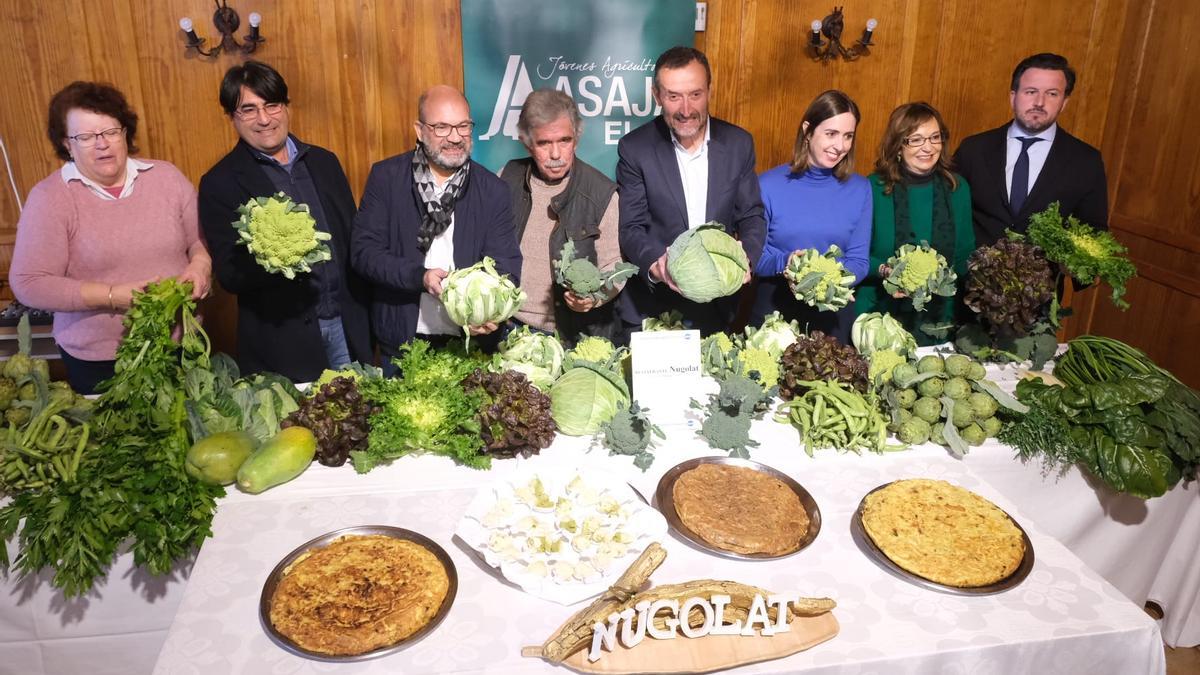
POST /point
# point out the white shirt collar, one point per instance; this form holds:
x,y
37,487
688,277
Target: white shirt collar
x,y
70,171
703,146
1046,134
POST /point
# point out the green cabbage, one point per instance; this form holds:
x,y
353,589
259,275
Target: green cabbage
x,y
586,397
536,355
820,280
706,263
478,294
874,331
282,235
920,272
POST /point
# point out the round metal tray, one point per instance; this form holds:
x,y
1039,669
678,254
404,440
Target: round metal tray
x,y
264,602
868,545
664,496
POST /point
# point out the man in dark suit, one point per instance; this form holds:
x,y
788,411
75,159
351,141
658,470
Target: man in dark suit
x,y
1022,167
423,214
295,327
680,170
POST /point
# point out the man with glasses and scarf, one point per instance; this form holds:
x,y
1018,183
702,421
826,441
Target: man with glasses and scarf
x,y
295,327
424,214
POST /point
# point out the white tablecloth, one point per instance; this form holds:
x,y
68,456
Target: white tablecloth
x,y
1063,618
1146,549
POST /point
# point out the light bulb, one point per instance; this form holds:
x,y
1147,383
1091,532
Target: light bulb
x,y
186,24
871,24
256,19
816,25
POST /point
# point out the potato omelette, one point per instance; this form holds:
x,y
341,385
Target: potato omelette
x,y
740,510
943,532
358,594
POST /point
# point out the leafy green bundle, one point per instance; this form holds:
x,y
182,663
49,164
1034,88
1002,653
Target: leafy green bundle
x,y
1085,252
134,486
1119,415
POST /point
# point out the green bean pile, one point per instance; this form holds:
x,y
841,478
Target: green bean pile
x,y
43,452
832,415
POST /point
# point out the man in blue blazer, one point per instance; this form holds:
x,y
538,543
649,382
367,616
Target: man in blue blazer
x,y
680,170
1022,167
423,214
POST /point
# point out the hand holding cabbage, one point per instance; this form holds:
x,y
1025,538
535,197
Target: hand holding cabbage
x,y
704,263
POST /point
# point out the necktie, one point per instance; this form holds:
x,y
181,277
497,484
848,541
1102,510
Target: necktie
x,y
1020,176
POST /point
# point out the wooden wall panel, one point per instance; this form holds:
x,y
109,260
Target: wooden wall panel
x,y
356,68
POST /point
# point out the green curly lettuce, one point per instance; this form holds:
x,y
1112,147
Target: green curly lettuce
x,y
1085,252
282,235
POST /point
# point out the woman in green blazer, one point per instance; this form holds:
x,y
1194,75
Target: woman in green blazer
x,y
916,198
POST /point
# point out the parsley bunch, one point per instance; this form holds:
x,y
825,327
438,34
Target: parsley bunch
x,y
133,487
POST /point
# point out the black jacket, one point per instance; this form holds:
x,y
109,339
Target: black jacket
x,y
578,211
384,244
1073,175
277,321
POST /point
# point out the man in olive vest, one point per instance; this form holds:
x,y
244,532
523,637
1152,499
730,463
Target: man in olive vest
x,y
557,197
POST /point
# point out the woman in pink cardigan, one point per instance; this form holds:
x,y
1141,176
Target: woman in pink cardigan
x,y
100,228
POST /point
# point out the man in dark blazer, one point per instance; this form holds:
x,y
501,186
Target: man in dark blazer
x,y
680,170
1055,166
423,214
295,327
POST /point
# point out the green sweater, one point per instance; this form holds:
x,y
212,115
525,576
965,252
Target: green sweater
x,y
871,297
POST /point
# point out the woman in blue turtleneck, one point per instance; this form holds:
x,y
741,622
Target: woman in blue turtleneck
x,y
815,201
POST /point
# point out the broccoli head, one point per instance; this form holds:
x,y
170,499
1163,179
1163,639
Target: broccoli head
x,y
282,235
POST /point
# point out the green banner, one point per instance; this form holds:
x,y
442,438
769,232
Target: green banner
x,y
600,52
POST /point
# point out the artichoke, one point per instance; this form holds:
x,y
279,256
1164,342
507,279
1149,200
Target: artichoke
x,y
515,418
8,392
919,272
820,280
817,356
1009,285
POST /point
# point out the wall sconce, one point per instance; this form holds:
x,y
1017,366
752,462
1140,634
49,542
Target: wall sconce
x,y
831,27
226,20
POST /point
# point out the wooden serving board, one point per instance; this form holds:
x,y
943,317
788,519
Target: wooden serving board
x,y
709,653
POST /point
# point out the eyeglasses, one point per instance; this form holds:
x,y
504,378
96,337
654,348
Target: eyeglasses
x,y
87,139
918,141
250,111
443,130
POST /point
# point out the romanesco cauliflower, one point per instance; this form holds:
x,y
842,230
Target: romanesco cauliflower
x,y
919,272
281,235
820,280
